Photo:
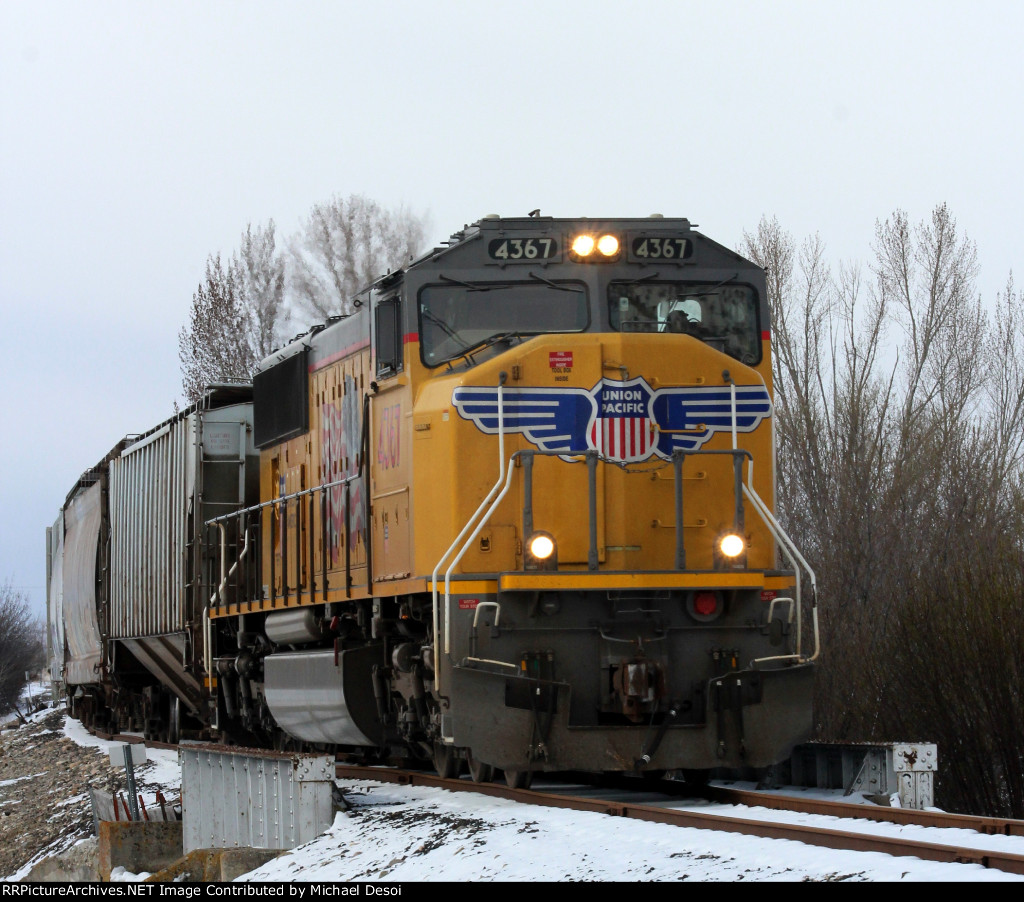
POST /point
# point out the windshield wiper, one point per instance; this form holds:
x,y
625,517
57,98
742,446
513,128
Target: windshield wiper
x,y
554,285
709,291
494,340
432,317
646,278
468,285
506,337
466,350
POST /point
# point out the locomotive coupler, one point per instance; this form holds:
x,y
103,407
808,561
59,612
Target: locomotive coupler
x,y
640,683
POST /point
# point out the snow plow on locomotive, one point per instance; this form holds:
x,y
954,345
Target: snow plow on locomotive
x,y
515,513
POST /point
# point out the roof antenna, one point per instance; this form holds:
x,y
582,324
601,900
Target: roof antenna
x,y
535,213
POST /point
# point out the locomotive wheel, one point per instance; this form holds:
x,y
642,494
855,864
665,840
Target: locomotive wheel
x,y
480,772
446,761
518,779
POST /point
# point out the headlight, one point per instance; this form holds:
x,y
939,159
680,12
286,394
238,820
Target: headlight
x,y
583,245
589,248
732,545
542,547
541,552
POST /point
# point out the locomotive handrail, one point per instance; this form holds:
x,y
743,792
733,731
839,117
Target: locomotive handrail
x,y
241,514
778,601
503,376
476,620
483,520
257,507
221,589
797,559
732,402
780,536
462,551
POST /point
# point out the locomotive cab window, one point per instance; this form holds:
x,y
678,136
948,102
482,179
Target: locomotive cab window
x,y
724,316
459,318
388,322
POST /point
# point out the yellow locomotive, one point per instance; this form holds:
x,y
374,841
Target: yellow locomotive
x,y
515,512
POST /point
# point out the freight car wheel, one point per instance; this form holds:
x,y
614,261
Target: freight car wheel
x,y
518,779
480,772
446,762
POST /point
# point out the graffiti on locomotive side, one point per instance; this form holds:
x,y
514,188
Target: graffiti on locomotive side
x,y
339,451
389,437
278,518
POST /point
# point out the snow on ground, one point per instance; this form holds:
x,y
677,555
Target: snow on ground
x,y
397,833
161,769
392,833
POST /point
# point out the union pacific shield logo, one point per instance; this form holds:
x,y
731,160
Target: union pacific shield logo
x,y
624,421
622,429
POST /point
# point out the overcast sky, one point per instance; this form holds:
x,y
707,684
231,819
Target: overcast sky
x,y
137,138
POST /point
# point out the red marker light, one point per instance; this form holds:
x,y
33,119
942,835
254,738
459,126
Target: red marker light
x,y
705,603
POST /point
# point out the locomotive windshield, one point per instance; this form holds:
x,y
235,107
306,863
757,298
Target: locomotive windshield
x,y
458,317
723,315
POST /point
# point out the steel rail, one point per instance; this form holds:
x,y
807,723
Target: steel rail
x,y
990,826
815,836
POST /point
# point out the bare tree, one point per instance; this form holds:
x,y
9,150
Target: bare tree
x,y
21,647
344,245
216,345
926,276
1004,385
257,271
801,298
831,399
900,416
239,312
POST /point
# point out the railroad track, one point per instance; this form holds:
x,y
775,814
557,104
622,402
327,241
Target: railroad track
x,y
674,803
669,810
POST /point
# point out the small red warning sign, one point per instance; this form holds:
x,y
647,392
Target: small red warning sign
x,y
560,359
